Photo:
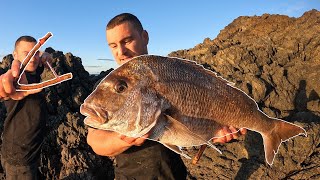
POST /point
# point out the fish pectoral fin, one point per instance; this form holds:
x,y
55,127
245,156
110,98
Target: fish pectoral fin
x,y
177,129
176,149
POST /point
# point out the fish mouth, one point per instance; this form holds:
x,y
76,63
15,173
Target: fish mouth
x,y
94,114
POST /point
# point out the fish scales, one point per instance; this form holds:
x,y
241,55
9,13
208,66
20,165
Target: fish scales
x,y
180,104
204,87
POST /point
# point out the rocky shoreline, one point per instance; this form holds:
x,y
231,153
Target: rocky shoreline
x,y
273,58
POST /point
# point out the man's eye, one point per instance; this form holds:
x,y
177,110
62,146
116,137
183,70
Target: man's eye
x,y
127,41
112,46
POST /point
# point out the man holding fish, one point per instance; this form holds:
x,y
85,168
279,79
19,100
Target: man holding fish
x,y
137,157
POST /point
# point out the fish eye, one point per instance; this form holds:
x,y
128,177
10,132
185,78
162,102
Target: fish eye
x,y
120,86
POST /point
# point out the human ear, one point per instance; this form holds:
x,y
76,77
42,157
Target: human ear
x,y
15,54
145,37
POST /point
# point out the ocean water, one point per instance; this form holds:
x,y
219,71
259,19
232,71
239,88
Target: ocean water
x,y
97,68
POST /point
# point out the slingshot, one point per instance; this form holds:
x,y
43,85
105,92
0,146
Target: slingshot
x,y
57,79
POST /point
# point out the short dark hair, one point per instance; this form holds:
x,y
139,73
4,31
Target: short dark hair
x,y
24,38
121,18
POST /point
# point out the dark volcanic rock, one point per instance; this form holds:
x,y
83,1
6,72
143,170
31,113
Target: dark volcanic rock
x,y
273,58
276,60
5,63
71,157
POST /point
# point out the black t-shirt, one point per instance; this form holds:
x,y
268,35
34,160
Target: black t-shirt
x,y
151,161
24,126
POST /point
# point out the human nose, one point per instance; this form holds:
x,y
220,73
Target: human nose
x,y
33,58
122,50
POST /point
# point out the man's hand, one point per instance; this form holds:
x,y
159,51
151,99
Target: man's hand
x,y
7,83
227,134
134,141
108,143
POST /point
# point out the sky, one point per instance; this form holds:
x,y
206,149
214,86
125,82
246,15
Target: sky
x,y
79,26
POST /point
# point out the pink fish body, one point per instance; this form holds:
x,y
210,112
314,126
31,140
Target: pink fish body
x,y
180,104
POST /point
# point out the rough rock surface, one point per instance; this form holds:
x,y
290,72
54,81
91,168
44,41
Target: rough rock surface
x,y
273,58
276,60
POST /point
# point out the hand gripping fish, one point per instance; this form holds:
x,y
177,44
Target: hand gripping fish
x,y
180,104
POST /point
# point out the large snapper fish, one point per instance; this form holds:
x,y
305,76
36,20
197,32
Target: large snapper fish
x,y
180,104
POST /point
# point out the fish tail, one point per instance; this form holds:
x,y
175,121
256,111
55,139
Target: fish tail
x,y
282,132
